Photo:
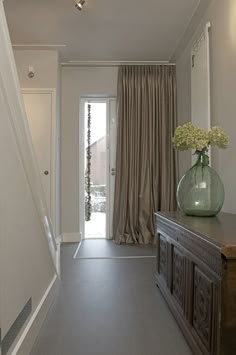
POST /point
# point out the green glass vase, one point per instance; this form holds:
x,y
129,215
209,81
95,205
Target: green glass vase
x,y
200,191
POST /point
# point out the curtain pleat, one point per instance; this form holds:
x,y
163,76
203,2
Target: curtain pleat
x,y
146,163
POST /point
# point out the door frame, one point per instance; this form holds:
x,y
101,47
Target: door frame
x,y
107,100
54,161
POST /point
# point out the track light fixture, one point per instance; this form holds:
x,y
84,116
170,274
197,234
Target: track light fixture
x,y
79,5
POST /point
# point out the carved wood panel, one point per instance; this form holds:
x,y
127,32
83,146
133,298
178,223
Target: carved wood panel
x,y
178,286
190,241
163,257
202,307
208,319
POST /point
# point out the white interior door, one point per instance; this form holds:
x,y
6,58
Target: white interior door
x,y
38,108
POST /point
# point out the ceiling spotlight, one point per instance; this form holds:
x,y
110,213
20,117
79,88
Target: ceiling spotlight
x,y
79,5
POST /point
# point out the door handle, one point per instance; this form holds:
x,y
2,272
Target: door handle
x,y
113,171
46,172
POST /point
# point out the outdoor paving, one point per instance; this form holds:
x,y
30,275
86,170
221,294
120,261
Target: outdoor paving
x,y
96,227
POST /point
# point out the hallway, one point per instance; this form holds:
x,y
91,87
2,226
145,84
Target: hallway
x,y
109,307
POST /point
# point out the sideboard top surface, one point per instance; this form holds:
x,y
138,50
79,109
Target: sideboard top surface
x,y
219,230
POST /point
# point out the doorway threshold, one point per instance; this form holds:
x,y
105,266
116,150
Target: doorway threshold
x,y
107,249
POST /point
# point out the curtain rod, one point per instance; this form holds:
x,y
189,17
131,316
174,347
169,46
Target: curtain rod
x,y
112,63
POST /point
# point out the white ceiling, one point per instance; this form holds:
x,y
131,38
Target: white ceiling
x,y
106,30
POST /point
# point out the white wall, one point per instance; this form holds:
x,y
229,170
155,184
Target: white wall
x,y
222,15
26,261
45,63
47,75
77,82
183,72
27,267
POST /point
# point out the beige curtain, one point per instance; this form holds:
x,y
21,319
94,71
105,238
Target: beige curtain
x,y
146,166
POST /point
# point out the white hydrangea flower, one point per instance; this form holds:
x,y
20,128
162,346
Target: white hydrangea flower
x,y
189,137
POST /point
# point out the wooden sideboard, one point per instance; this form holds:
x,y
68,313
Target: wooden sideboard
x,y
196,273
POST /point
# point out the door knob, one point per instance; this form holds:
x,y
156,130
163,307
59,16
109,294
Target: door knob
x,y
46,172
113,172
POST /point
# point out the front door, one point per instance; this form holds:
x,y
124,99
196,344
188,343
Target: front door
x,y
97,166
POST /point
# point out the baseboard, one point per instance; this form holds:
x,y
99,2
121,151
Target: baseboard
x,y
71,237
30,333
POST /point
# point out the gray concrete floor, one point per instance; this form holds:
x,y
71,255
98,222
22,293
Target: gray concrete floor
x,y
105,248
108,307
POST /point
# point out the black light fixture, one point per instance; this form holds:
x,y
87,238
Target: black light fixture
x,y
79,5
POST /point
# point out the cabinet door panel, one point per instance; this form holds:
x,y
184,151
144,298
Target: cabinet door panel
x,y
163,257
178,276
202,306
